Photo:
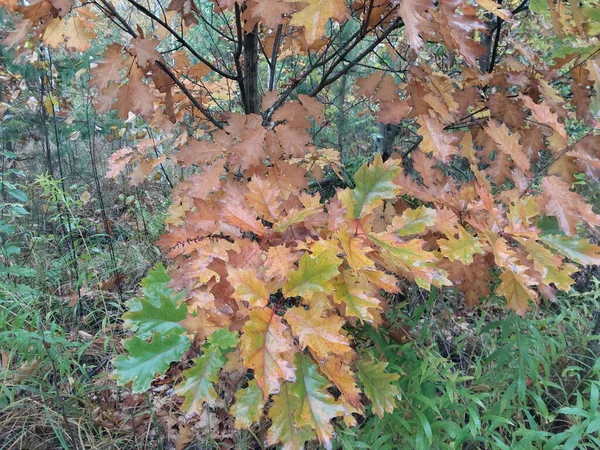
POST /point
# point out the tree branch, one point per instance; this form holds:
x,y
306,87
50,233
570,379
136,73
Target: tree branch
x,y
180,39
189,95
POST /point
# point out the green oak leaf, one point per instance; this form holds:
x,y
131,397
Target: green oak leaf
x,y
148,318
146,359
374,184
377,385
313,274
248,406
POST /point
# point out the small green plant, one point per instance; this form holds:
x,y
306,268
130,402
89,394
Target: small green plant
x,y
512,383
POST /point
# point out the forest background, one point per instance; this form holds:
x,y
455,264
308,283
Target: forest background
x,y
320,224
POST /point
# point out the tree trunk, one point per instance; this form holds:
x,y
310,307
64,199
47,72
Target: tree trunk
x,y
253,97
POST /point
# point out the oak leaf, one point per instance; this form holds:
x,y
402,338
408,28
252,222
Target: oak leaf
x,y
353,290
316,14
508,143
313,274
248,406
378,385
283,428
316,407
373,185
517,290
567,206
462,248
263,347
322,335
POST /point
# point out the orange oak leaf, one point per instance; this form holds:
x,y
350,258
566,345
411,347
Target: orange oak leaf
x,y
322,335
315,16
508,143
441,144
567,206
264,344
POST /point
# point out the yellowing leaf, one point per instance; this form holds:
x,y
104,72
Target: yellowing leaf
x,y
549,265
316,407
263,345
373,185
355,248
197,387
414,221
248,406
409,258
248,287
461,249
354,291
495,9
316,14
73,31
378,385
322,335
283,428
339,373
517,291
579,250
313,274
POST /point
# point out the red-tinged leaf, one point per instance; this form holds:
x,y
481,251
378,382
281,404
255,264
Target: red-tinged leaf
x,y
567,206
236,213
543,115
186,8
435,140
248,287
109,69
145,50
264,346
415,25
339,373
458,26
135,96
118,161
322,335
264,198
279,262
198,152
508,144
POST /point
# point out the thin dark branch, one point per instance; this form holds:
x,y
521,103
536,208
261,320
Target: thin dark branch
x,y
273,62
494,55
238,55
396,24
189,95
180,39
